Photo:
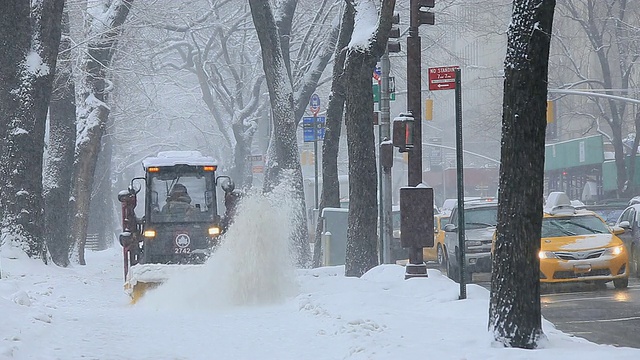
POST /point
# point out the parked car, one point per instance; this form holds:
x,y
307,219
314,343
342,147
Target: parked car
x,y
609,210
449,204
429,254
397,251
628,220
479,225
578,246
436,253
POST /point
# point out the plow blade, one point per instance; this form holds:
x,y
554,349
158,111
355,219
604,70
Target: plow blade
x,y
144,277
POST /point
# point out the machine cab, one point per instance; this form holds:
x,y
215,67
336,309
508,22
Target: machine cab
x,y
181,222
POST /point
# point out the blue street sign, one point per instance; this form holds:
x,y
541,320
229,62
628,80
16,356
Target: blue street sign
x,y
313,131
320,127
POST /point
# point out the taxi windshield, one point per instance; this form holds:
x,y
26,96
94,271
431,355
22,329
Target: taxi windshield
x,y
572,226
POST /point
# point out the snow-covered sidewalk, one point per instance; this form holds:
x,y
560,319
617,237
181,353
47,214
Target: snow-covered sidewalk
x,y
82,313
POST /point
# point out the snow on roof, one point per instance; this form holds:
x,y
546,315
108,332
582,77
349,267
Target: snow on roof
x,y
171,158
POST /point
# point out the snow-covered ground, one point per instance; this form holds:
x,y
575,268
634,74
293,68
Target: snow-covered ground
x,y
247,303
83,313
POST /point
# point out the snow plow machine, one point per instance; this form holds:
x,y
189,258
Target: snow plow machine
x,y
181,225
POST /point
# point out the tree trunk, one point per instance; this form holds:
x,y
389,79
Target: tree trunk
x,y
362,241
59,162
283,161
101,221
29,38
92,113
514,310
330,195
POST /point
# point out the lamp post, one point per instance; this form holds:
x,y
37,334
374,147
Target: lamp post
x,y
416,266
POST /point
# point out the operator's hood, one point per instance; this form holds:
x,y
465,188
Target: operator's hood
x,y
579,242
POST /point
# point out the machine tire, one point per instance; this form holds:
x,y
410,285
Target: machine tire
x,y
621,283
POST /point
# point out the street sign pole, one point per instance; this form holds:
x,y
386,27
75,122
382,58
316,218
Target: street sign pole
x,y
447,78
384,134
315,157
460,181
314,106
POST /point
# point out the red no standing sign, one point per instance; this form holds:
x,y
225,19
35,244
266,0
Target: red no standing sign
x,y
442,78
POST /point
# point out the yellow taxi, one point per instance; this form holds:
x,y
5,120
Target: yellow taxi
x,y
436,253
578,246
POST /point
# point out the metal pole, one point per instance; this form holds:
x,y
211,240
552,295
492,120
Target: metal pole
x,y
460,182
315,158
385,134
382,256
414,105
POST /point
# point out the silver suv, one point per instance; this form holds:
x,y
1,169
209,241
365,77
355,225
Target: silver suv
x,y
480,219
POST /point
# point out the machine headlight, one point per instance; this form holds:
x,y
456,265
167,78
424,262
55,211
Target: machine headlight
x,y
214,230
614,251
547,255
472,243
149,233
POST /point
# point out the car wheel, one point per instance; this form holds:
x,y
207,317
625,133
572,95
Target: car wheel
x,y
452,271
441,257
634,264
468,277
621,283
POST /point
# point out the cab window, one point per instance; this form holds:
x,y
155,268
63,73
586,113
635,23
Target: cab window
x,y
181,197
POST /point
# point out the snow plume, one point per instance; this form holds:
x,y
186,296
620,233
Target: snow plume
x,y
252,266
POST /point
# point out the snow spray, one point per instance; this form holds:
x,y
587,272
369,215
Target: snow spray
x,y
252,266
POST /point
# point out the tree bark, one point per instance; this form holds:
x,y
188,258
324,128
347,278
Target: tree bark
x,y
330,195
514,310
283,161
362,239
29,38
92,113
59,161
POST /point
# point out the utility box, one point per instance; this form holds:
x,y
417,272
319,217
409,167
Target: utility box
x,y
335,222
416,217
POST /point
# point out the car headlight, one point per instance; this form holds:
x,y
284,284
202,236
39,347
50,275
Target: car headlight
x,y
149,234
473,243
547,255
614,251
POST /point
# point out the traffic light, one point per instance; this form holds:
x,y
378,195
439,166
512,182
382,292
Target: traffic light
x,y
419,16
403,132
550,111
428,109
393,46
